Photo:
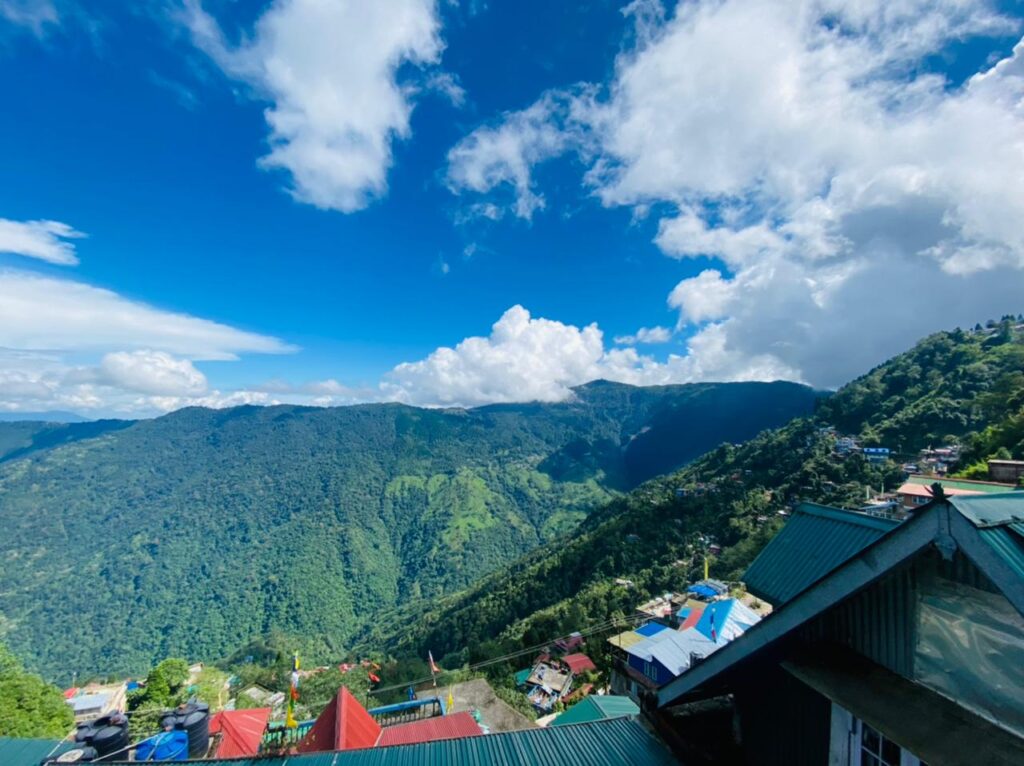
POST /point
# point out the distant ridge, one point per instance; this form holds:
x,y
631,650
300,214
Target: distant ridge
x,y
49,416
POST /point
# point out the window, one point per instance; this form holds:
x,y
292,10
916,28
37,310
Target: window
x,y
876,750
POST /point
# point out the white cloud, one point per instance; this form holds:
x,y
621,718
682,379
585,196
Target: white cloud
x,y
536,359
704,297
645,335
505,153
151,372
45,240
38,312
35,15
329,71
857,201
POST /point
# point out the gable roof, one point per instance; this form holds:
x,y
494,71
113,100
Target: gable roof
x,y
579,662
626,639
814,541
942,523
650,629
241,731
451,726
692,617
730,619
597,707
613,742
343,725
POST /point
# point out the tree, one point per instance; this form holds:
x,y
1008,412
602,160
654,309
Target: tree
x,y
30,707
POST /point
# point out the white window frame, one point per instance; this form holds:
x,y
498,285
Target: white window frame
x,y
845,745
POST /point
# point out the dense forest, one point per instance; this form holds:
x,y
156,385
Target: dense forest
x,y
963,386
198,532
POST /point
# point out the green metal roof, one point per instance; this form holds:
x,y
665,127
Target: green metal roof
x,y
597,707
972,486
29,752
814,541
990,510
522,675
599,743
1008,542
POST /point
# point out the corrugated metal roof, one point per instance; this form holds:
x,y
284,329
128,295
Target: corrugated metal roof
x,y
344,724
522,675
966,486
991,510
431,730
815,541
29,752
614,742
241,731
626,639
597,707
650,629
579,662
1007,541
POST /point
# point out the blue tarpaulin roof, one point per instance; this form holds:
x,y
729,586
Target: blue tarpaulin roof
x,y
650,629
702,590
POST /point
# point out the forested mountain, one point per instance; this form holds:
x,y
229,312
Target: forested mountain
x,y
192,534
962,385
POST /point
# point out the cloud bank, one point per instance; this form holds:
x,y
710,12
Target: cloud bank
x,y
854,200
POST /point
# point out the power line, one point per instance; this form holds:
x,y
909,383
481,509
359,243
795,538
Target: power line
x,y
599,627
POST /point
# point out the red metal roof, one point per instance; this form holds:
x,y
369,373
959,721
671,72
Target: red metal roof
x,y
343,725
578,662
692,618
453,726
69,693
241,731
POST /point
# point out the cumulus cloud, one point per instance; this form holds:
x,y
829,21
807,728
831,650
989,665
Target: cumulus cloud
x,y
504,154
151,372
330,74
856,200
645,335
536,359
45,240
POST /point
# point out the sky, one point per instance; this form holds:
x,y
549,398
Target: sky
x,y
206,202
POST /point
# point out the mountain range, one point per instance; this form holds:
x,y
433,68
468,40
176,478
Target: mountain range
x,y
195,533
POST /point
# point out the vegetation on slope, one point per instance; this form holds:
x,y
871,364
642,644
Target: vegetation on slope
x,y
198,532
960,385
29,707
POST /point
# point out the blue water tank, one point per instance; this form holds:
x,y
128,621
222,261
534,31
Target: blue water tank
x,y
165,746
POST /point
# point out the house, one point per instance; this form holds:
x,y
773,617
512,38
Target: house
x,y
916,490
95,700
598,707
570,642
579,663
1007,471
547,684
899,645
240,731
619,741
875,454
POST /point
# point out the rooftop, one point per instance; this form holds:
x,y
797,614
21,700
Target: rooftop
x,y
815,540
597,707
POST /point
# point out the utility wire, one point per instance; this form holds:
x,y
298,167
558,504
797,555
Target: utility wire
x,y
598,628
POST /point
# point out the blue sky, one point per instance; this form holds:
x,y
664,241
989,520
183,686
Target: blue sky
x,y
603,170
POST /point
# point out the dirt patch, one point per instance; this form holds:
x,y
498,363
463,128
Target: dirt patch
x,y
495,714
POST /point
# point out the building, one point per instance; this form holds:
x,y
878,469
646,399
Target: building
x,y
94,700
899,645
917,490
1006,471
875,454
663,654
598,707
570,642
238,733
547,684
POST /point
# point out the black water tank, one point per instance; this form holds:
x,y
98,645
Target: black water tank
x,y
76,755
194,719
107,734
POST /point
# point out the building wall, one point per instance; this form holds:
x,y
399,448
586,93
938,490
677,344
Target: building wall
x,y
783,722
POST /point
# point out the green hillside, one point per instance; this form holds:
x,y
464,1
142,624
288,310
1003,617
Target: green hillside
x,y
962,385
195,533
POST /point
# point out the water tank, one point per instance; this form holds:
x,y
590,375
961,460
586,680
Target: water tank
x,y
77,755
107,734
194,719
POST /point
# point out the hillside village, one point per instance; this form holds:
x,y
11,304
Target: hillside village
x,y
909,598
